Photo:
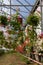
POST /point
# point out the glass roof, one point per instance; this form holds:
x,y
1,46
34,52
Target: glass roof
x,y
24,6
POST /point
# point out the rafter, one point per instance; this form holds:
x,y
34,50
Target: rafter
x,y
35,6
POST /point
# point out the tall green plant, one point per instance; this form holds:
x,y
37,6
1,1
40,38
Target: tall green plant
x,y
33,21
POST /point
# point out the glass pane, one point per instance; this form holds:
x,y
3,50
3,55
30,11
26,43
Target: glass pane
x,y
7,2
12,12
29,7
23,10
14,2
6,10
25,2
32,2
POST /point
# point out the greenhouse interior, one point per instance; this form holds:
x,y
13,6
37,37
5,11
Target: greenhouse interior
x,y
21,32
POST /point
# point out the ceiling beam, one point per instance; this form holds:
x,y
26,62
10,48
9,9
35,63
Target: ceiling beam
x,y
35,6
18,5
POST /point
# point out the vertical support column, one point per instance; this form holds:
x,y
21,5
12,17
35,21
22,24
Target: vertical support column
x,y
10,7
41,5
1,7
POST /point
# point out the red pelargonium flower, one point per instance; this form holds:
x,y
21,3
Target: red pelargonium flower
x,y
41,35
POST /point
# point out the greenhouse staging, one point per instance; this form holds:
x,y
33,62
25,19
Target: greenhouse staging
x,y
21,32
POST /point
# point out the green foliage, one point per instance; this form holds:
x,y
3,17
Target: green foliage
x,y
1,34
32,35
3,20
42,45
11,32
15,25
14,21
1,52
15,30
14,45
28,62
20,35
2,38
33,20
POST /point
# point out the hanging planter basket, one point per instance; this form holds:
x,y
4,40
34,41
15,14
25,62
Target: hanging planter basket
x,y
33,20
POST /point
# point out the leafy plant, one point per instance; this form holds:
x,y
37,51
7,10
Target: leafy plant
x,y
15,25
33,20
3,20
1,52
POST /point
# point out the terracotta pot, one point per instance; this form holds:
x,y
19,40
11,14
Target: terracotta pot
x,y
19,49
